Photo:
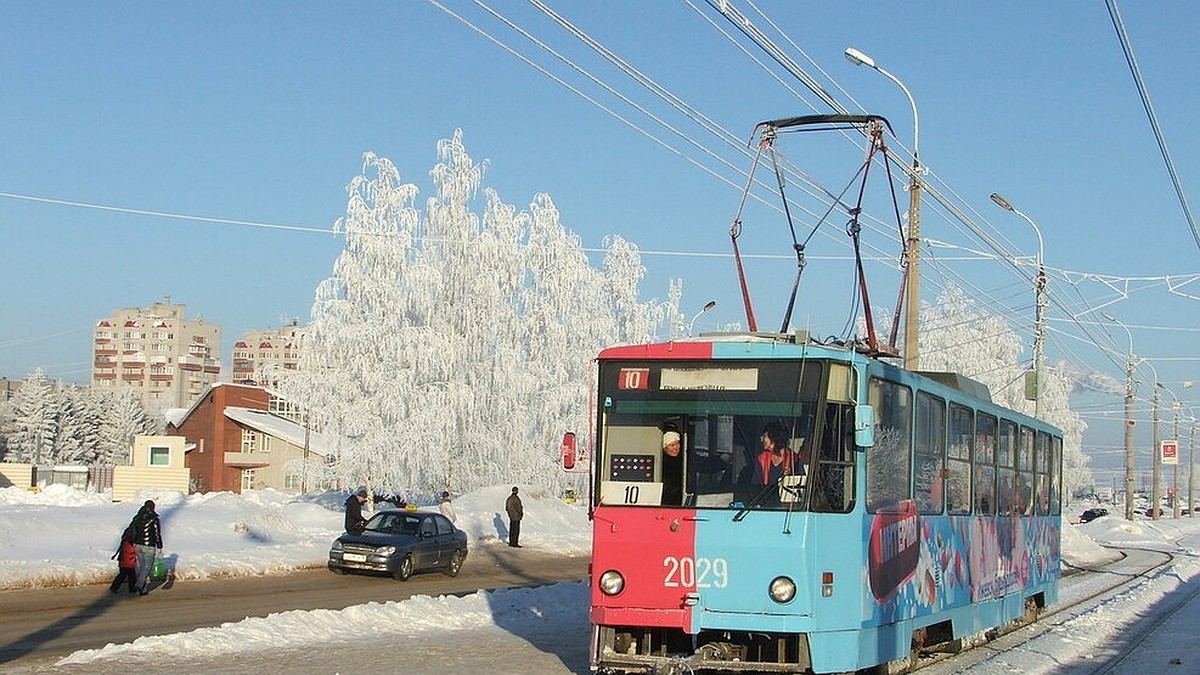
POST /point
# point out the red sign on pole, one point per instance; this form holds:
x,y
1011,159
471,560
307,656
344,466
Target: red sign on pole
x,y
1170,452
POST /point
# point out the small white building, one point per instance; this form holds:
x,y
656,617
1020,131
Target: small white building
x,y
155,462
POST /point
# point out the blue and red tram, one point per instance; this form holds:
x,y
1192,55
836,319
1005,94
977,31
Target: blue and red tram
x,y
762,503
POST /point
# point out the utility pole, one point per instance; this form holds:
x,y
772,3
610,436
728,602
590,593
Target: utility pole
x,y
1192,471
1175,479
1155,495
1130,488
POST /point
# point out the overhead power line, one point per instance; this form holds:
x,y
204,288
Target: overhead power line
x,y
1119,25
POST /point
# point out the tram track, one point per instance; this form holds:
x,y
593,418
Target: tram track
x,y
1085,590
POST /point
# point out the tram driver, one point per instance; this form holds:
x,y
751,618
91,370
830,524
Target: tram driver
x,y
672,468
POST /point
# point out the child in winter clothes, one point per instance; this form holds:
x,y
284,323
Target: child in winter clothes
x,y
126,557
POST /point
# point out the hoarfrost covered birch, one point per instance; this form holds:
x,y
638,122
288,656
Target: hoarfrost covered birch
x,y
957,336
453,346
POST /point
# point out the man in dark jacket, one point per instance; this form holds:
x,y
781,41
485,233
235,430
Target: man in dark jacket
x,y
354,517
516,511
147,541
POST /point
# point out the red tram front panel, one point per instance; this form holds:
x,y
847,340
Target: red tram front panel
x,y
641,543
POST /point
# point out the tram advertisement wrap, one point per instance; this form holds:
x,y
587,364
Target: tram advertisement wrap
x,y
920,564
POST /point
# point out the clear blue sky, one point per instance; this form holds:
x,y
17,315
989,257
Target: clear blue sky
x,y
260,112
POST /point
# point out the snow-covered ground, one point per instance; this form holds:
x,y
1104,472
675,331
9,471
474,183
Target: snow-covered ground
x,y
62,536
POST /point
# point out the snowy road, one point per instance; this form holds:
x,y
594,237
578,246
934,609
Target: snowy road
x,y
41,626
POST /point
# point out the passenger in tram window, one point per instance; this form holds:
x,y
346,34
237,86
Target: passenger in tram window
x,y
672,468
776,459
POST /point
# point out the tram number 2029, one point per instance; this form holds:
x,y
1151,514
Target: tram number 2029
x,y
695,572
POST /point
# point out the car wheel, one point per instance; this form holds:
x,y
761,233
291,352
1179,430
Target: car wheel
x,y
455,564
405,570
336,570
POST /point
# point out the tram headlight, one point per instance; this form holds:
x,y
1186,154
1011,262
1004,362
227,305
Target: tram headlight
x,y
782,589
611,582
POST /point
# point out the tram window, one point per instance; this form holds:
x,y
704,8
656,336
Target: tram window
x,y
887,462
1025,474
1006,445
1006,491
985,470
1055,475
985,489
958,486
711,461
1042,480
831,483
930,452
1025,450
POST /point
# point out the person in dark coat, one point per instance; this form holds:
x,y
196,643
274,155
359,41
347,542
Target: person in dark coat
x,y
354,517
147,542
516,511
672,468
126,557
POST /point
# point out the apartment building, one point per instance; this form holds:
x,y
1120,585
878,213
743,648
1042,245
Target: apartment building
x,y
166,358
242,437
258,353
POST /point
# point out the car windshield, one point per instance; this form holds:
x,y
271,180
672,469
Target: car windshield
x,y
394,523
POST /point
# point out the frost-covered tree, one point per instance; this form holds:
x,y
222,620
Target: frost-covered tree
x,y
958,336
33,427
69,441
125,417
452,345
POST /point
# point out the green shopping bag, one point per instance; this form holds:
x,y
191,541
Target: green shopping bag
x,y
159,571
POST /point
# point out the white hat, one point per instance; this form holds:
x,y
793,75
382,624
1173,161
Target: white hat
x,y
670,437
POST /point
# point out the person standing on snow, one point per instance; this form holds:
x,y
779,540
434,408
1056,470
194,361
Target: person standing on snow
x,y
446,507
355,523
147,543
516,511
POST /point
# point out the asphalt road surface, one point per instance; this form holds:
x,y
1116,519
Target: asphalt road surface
x,y
40,626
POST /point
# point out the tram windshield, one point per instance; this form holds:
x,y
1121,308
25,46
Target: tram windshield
x,y
734,435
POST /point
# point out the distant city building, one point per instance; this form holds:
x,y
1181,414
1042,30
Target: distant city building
x,y
260,352
8,388
167,359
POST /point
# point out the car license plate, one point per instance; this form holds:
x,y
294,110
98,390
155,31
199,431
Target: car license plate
x,y
354,557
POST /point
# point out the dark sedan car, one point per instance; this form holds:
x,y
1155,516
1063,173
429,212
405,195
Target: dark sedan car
x,y
400,543
1092,514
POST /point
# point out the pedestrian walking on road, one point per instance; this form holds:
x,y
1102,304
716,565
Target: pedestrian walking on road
x,y
126,557
516,511
146,532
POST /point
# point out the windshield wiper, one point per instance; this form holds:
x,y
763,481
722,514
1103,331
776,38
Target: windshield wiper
x,y
756,500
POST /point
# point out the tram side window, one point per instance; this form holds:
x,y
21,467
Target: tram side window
x,y
832,483
887,463
985,467
958,486
1041,483
1055,475
1024,503
1006,473
930,449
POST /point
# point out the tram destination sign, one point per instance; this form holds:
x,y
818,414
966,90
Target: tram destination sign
x,y
732,379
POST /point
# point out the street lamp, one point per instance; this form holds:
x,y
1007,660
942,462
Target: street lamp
x,y
1039,322
1129,486
709,305
913,250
